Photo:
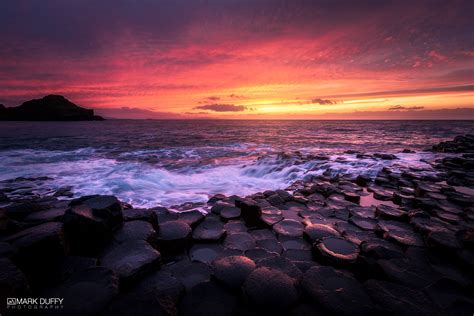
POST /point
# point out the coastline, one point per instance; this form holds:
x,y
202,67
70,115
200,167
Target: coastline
x,y
270,251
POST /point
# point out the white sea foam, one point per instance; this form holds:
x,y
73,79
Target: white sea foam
x,y
145,185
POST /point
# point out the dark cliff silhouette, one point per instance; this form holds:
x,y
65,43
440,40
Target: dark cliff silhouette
x,y
49,108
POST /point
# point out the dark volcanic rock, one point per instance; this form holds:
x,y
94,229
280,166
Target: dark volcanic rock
x,y
336,250
258,254
205,253
89,223
173,235
271,215
270,289
209,230
157,294
316,232
190,274
7,250
131,260
407,272
282,264
49,108
239,241
381,249
250,212
133,214
86,292
13,282
336,291
289,228
192,218
233,270
208,299
398,299
136,230
389,212
271,245
399,232
230,212
51,215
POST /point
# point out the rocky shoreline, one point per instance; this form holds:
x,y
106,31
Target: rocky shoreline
x,y
402,243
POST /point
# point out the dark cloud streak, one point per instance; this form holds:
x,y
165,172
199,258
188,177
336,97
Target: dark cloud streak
x,y
222,107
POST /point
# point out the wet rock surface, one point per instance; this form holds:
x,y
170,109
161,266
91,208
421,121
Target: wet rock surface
x,y
399,242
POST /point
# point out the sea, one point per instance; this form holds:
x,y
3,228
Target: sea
x,y
151,163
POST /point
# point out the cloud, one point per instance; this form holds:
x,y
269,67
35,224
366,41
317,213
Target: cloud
x,y
135,113
405,92
197,113
440,114
213,98
323,101
236,96
222,107
405,108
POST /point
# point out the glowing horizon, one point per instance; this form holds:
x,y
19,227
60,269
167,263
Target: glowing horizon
x,y
242,59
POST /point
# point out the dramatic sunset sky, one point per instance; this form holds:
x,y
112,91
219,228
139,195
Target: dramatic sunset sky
x,y
248,59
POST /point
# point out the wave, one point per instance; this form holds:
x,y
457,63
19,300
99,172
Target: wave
x,y
145,184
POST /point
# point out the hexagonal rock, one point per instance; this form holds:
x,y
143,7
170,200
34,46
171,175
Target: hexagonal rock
x,y
381,249
208,299
446,240
87,292
399,232
209,230
282,264
336,291
235,226
190,274
250,211
389,212
89,223
7,250
262,234
136,230
219,206
205,253
258,254
142,214
336,250
230,212
13,282
352,197
271,215
270,289
358,237
289,228
427,225
233,270
398,299
363,223
37,246
54,214
173,235
407,272
363,211
192,218
131,260
271,245
239,241
316,232
157,294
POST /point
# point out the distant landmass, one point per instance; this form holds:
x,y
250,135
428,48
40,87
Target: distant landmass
x,y
49,108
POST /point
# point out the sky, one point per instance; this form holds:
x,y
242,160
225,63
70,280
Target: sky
x,y
243,59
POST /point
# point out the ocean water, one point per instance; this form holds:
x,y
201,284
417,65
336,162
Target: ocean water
x,y
150,162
